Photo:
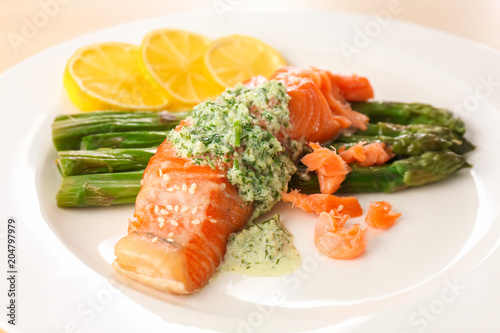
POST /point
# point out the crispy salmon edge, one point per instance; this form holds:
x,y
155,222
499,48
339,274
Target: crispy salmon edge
x,y
158,283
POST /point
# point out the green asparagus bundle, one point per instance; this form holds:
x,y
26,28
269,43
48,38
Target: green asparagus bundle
x,y
68,130
100,177
414,171
80,162
409,113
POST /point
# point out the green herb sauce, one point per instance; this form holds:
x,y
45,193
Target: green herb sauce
x,y
262,249
239,132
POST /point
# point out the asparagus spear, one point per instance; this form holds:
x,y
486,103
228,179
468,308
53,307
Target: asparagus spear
x,y
410,172
460,144
79,162
99,190
67,130
409,113
411,144
121,188
143,139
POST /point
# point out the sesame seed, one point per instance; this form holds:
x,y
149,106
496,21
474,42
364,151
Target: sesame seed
x,y
184,209
157,209
161,225
155,240
166,177
161,219
184,187
213,220
174,223
222,186
170,189
191,190
149,206
193,186
170,207
195,209
170,240
195,221
164,211
160,172
170,234
339,209
142,182
177,187
176,208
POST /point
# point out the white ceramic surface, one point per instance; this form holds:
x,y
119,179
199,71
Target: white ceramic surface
x,y
435,271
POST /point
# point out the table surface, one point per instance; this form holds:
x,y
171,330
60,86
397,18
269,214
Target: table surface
x,y
60,20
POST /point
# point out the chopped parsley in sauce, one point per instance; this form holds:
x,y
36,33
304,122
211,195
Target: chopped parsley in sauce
x,y
243,131
262,249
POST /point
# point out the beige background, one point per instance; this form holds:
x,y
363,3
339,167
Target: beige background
x,y
60,20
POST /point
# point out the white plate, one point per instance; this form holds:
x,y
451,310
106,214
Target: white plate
x,y
437,270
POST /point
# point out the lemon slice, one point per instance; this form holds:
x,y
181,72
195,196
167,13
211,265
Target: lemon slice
x,y
107,76
174,60
237,58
